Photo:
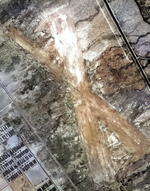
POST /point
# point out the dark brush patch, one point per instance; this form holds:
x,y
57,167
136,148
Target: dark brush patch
x,y
144,7
13,9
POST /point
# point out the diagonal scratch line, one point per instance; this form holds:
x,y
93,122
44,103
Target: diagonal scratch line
x,y
135,58
52,156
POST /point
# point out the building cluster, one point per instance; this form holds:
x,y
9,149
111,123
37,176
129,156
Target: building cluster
x,y
18,160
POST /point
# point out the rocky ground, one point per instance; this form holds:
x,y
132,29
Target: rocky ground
x,y
40,109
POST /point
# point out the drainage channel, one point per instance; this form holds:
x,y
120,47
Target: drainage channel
x,y
135,58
